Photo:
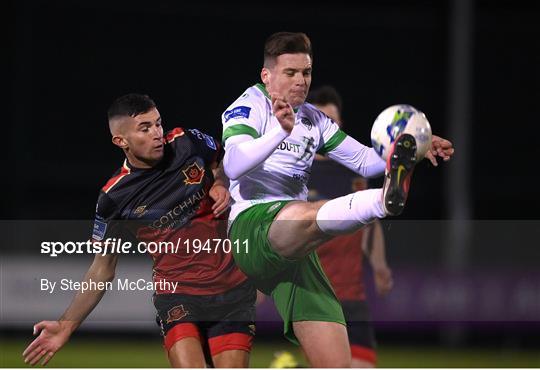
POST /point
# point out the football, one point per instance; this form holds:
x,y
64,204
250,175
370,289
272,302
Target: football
x,y
396,120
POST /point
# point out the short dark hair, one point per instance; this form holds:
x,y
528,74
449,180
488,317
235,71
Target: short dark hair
x,y
130,105
286,43
325,95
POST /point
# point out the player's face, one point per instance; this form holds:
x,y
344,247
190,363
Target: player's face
x,y
289,77
144,139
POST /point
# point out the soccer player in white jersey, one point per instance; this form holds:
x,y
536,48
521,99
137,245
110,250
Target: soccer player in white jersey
x,y
271,136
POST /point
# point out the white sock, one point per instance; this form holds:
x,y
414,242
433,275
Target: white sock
x,y
349,213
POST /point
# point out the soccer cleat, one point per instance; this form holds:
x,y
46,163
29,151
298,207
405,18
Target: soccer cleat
x,y
284,359
399,168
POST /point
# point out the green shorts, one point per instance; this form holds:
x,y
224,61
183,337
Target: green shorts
x,y
300,289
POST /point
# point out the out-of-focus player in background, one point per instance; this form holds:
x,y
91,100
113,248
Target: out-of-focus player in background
x,y
170,188
271,136
342,257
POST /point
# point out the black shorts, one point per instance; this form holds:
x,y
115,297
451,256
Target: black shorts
x,y
221,322
360,330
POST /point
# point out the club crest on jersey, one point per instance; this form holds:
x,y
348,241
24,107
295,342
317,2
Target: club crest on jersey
x,y
193,173
176,313
140,211
306,123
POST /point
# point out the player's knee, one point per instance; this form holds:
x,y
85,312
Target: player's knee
x,y
231,359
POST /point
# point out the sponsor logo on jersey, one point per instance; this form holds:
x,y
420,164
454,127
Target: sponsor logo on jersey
x,y
193,173
241,111
306,123
100,228
309,143
290,147
176,313
180,214
306,149
303,179
207,138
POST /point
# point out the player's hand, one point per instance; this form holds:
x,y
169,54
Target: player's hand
x,y
284,112
52,336
383,280
439,147
221,197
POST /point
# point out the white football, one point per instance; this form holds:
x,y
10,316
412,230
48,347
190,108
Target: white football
x,y
396,120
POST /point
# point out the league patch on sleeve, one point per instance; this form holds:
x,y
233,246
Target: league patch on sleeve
x,y
209,140
241,111
100,228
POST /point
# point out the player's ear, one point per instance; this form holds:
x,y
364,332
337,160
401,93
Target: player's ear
x,y
265,75
119,141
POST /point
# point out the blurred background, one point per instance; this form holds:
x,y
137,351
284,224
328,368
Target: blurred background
x,y
465,253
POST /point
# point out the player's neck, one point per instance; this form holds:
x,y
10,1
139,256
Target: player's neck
x,y
140,163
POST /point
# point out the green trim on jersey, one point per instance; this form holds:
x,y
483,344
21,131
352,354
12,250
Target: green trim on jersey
x,y
239,130
332,144
261,87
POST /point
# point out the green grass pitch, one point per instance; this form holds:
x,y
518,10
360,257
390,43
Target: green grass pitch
x,y
82,352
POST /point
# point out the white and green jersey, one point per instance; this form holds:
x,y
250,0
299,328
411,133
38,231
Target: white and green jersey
x,y
285,173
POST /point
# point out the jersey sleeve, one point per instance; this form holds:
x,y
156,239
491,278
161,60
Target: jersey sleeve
x,y
106,223
243,117
208,147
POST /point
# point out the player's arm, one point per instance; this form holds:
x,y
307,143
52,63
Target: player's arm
x,y
54,334
373,246
243,152
219,191
366,162
357,157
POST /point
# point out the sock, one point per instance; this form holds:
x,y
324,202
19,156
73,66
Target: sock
x,y
349,213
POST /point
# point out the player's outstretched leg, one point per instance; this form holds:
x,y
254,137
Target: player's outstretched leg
x,y
399,169
300,227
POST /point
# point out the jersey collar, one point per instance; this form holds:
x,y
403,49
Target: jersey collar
x,y
262,87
